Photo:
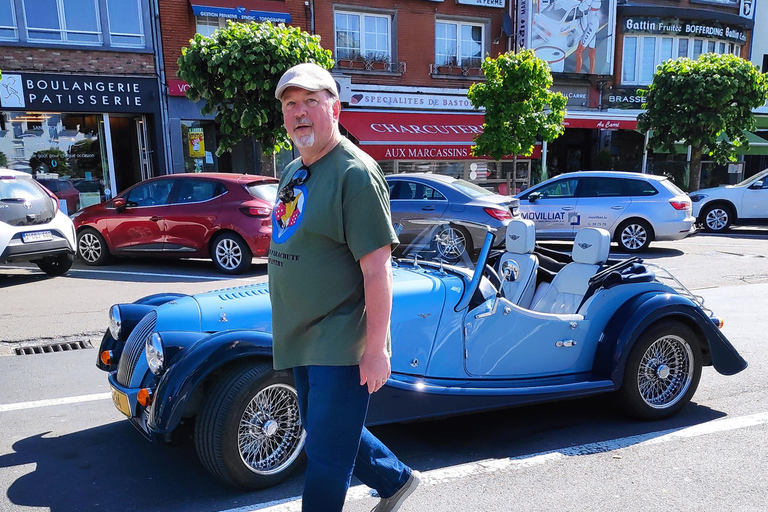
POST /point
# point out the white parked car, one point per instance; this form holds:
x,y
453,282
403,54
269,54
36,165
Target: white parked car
x,y
635,208
32,228
744,203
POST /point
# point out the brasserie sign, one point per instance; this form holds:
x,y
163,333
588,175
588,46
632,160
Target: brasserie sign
x,y
78,93
684,28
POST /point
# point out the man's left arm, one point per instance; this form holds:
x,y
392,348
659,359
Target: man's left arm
x,y
377,277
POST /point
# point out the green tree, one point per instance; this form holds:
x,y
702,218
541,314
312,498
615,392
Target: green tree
x,y
706,104
236,71
519,107
3,160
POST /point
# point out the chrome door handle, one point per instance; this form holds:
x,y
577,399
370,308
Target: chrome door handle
x,y
567,208
617,207
155,219
428,208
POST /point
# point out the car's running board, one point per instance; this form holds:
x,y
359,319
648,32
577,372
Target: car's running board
x,y
419,385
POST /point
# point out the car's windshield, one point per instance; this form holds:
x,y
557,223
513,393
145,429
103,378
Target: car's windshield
x,y
447,242
470,189
756,177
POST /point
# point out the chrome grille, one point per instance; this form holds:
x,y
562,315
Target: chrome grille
x,y
134,348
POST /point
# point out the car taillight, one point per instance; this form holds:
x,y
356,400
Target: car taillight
x,y
256,211
498,213
678,204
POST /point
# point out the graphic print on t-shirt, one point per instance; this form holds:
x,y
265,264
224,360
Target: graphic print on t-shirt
x,y
286,217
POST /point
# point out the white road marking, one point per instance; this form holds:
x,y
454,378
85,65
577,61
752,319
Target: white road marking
x,y
55,401
461,471
122,272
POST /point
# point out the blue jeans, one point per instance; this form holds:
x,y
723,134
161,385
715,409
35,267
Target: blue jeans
x,y
333,406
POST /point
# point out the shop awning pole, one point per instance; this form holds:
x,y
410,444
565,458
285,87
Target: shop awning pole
x,y
645,153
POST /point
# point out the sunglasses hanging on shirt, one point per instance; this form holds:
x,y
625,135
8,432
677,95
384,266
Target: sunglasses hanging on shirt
x,y
287,194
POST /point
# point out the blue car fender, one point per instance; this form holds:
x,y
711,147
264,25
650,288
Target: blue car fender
x,y
637,314
180,381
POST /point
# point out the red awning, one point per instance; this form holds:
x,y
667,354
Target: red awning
x,y
415,136
604,123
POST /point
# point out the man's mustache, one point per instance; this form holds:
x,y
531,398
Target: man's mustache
x,y
302,121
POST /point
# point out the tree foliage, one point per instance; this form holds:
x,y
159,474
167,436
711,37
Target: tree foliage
x,y
236,71
519,107
706,103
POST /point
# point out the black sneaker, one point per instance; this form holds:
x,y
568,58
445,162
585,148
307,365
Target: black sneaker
x,y
393,503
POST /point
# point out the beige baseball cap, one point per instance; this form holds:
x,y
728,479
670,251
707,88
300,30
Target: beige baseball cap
x,y
308,76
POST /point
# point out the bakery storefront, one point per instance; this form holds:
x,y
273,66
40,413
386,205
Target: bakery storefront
x,y
436,141
90,137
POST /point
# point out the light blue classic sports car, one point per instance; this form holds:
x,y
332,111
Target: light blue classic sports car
x,y
512,327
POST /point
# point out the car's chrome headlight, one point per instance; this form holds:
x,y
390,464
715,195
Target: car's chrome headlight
x,y
155,357
115,322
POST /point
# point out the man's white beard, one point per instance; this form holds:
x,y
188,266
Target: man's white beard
x,y
305,141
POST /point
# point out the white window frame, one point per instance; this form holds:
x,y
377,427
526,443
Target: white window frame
x,y
15,25
140,36
459,25
209,21
640,47
63,31
365,53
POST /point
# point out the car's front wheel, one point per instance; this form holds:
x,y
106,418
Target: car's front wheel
x,y
231,254
249,433
716,218
91,247
634,235
662,372
56,265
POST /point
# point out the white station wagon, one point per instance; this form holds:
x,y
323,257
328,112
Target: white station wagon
x,y
635,208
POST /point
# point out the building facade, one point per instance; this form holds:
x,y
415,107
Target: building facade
x,y
193,137
627,40
80,97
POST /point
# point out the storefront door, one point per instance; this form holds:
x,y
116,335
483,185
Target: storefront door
x,y
131,150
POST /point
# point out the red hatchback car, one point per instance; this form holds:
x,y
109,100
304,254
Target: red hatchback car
x,y
225,217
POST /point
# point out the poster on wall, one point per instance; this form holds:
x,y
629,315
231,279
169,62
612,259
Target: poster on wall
x,y
573,36
196,143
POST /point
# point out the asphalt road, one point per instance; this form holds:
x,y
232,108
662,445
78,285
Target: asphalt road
x,y
64,447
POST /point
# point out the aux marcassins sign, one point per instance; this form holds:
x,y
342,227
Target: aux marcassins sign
x,y
78,93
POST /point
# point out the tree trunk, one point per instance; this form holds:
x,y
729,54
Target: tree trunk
x,y
695,174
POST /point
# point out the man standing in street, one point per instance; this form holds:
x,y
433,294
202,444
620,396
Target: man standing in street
x,y
330,282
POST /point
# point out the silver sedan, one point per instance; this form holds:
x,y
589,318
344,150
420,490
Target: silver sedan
x,y
435,196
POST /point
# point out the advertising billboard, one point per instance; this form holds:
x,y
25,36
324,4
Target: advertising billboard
x,y
573,36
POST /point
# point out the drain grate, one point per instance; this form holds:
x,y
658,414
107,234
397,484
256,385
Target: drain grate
x,y
53,347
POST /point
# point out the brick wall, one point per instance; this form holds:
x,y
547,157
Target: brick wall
x,y
177,23
50,60
414,27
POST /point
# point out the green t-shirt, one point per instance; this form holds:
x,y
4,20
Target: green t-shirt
x,y
340,214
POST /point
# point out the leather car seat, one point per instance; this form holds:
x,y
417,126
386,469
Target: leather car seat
x,y
563,295
520,243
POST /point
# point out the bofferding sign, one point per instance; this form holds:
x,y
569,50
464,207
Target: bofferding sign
x,y
78,93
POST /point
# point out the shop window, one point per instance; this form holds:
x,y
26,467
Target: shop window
x,y
629,60
65,150
200,140
364,37
697,48
126,27
8,30
68,21
682,47
648,66
459,44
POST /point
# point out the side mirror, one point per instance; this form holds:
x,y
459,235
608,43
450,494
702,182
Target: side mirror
x,y
119,203
510,271
533,196
757,184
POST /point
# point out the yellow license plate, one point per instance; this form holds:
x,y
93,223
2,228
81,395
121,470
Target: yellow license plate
x,y
121,402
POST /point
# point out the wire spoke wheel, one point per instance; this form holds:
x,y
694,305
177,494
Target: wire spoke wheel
x,y
665,372
270,436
